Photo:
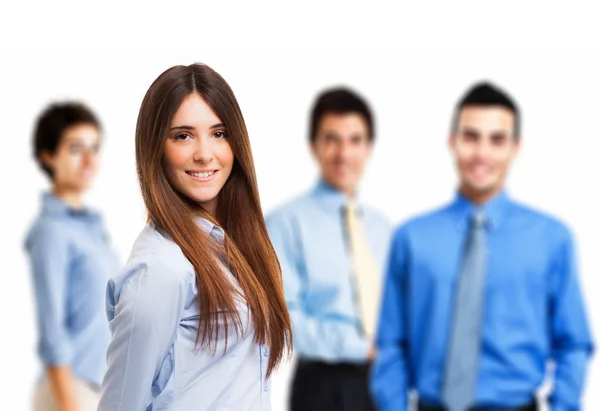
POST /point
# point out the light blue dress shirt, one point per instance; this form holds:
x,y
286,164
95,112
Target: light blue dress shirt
x,y
153,362
71,260
309,237
533,308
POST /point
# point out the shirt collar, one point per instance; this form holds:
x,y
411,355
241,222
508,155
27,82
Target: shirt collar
x,y
493,209
52,205
333,199
211,229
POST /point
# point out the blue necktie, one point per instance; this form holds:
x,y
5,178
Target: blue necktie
x,y
460,377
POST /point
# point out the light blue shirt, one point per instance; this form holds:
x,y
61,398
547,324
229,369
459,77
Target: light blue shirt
x,y
309,237
153,362
71,260
533,308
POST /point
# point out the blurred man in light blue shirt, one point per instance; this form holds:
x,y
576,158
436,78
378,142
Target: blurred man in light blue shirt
x,y
332,248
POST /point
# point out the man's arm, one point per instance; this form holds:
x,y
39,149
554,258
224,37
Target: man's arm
x,y
571,341
328,338
389,381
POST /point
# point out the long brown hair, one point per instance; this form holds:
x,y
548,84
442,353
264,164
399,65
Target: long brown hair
x,y
249,252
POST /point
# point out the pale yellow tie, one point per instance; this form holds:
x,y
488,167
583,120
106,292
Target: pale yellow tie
x,y
366,275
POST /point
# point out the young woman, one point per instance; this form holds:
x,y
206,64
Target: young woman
x,y
71,261
197,316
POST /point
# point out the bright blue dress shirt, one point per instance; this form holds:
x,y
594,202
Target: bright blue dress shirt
x,y
71,261
533,308
309,237
153,361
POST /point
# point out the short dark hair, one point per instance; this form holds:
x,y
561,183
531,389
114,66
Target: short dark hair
x,y
52,123
340,100
487,94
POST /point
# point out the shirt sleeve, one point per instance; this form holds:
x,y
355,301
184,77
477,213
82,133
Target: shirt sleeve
x,y
145,306
389,379
571,341
326,338
49,254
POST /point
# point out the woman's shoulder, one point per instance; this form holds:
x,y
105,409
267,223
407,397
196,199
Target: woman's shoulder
x,y
154,241
45,230
155,254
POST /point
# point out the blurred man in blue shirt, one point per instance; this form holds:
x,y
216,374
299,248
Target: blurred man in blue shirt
x,y
332,250
483,292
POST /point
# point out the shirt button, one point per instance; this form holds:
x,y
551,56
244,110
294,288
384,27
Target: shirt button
x,y
266,352
266,388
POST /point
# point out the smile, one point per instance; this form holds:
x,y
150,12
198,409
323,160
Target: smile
x,y
203,175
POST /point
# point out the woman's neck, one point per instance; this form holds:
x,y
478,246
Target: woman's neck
x,y
71,197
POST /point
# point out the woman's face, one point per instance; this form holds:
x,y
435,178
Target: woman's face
x,y
75,162
198,158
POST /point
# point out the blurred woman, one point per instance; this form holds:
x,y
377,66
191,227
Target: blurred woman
x,y
71,260
197,315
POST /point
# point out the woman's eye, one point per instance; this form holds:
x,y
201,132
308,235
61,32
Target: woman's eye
x,y
182,137
220,134
75,148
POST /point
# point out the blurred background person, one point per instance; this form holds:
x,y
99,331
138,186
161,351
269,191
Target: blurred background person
x,y
482,292
332,248
71,259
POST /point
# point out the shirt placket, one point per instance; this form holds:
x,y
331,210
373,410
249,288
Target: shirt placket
x,y
264,383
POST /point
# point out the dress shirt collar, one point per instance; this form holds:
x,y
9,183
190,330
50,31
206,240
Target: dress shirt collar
x,y
333,199
211,229
53,205
493,209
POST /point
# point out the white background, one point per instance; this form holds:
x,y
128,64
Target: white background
x,y
412,95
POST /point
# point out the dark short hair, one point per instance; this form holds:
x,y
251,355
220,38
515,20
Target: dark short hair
x,y
340,101
52,123
488,95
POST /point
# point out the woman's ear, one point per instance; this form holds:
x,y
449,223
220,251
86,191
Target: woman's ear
x,y
47,159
